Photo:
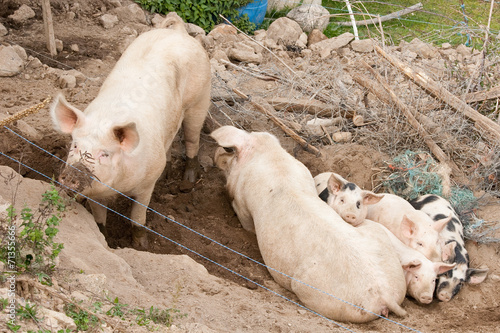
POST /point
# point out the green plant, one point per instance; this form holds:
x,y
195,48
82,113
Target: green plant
x,y
28,311
34,249
204,13
144,317
83,319
118,309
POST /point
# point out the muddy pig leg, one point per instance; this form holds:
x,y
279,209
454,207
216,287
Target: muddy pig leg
x,y
99,212
192,125
138,214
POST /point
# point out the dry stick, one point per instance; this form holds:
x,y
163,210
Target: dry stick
x,y
64,298
480,63
435,149
387,17
492,129
278,122
241,69
478,96
26,112
49,27
304,86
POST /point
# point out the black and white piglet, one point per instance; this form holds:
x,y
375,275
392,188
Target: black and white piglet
x,y
452,281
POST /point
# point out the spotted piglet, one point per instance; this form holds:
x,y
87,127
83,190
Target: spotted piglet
x,y
346,198
452,281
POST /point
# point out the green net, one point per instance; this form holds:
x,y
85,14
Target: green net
x,y
415,174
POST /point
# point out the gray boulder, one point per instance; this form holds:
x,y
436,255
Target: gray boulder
x,y
310,17
284,31
11,63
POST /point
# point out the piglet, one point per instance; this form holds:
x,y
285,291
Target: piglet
x,y
451,282
124,136
414,228
346,198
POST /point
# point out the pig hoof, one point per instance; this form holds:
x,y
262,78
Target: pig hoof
x,y
192,169
139,238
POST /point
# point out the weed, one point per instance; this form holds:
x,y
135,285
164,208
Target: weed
x,y
145,317
83,320
118,309
34,250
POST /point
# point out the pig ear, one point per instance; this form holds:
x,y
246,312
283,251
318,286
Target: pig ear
x,y
334,184
370,198
229,136
441,267
440,224
475,276
65,116
448,253
408,227
127,136
412,265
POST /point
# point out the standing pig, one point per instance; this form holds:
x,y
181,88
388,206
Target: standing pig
x,y
124,136
450,283
414,228
306,246
348,200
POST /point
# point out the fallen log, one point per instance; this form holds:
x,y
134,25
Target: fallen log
x,y
286,129
490,128
434,148
384,18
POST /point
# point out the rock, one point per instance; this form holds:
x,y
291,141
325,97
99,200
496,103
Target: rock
x,y
57,320
23,14
108,21
114,3
445,46
342,136
11,63
424,50
219,54
157,20
74,48
79,76
130,13
362,45
59,45
21,52
194,30
222,29
67,81
70,16
243,52
332,44
315,36
310,17
281,4
28,131
464,50
3,30
284,31
95,283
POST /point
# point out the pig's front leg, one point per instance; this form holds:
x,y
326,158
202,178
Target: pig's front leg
x,y
138,214
99,212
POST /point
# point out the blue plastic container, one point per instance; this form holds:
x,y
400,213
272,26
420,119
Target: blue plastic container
x,y
256,11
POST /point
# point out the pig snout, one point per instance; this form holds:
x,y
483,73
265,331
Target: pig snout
x,y
75,177
425,298
350,218
444,296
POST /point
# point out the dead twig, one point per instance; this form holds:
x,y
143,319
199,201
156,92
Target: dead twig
x,y
384,18
278,122
435,149
489,127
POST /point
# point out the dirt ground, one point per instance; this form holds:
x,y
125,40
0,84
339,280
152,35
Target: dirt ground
x,y
206,210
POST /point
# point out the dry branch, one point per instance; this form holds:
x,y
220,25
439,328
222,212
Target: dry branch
x,y
478,96
313,107
435,149
490,128
387,17
278,122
